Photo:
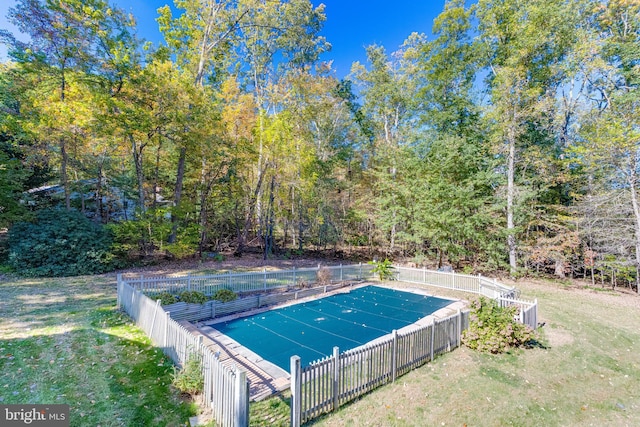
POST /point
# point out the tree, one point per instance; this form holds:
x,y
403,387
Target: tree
x,y
523,43
74,47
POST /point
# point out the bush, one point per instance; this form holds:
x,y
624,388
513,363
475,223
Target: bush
x,y
384,269
224,295
60,243
323,276
193,297
190,378
493,329
166,298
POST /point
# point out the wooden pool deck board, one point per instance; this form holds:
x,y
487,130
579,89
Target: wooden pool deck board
x,y
264,381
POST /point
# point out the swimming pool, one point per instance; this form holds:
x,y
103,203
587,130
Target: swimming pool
x,y
347,320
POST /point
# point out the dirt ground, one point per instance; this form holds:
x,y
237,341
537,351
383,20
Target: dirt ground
x,y
231,263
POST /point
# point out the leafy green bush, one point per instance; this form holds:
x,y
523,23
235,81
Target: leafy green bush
x,y
190,378
60,243
146,236
193,297
166,298
493,329
384,269
224,295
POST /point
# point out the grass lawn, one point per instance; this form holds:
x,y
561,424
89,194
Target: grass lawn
x,y
63,341
588,373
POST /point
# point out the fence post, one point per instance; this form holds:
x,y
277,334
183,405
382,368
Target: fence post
x,y
459,328
341,272
166,330
141,282
241,410
133,300
360,271
294,277
189,282
336,378
296,391
394,356
119,290
153,320
424,275
264,273
433,337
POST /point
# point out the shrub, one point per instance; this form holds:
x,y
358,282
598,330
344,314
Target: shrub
x,y
224,295
189,379
323,276
193,297
166,298
60,243
492,329
384,269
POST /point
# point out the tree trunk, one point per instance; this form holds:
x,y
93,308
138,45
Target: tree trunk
x,y
177,194
511,239
64,176
137,160
636,217
99,207
156,173
269,221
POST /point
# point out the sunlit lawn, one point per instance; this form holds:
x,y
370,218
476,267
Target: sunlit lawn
x,y
587,374
63,341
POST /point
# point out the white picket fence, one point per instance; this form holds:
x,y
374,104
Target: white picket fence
x,y
248,281
225,389
491,288
326,384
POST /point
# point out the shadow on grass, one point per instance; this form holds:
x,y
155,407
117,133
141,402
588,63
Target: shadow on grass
x,y
105,369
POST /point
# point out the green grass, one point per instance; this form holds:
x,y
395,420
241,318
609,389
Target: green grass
x,y
63,341
585,371
274,412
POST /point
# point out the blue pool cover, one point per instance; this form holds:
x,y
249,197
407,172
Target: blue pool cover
x,y
311,329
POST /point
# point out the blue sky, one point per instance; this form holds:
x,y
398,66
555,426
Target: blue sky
x,y
351,25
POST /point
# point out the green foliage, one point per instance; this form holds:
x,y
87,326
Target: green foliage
x,y
193,297
12,175
384,269
60,243
148,234
224,295
218,257
166,298
190,379
492,329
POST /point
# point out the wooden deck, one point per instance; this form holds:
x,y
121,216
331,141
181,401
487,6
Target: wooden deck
x,y
265,379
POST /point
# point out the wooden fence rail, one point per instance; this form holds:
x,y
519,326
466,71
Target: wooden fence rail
x,y
326,384
226,390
